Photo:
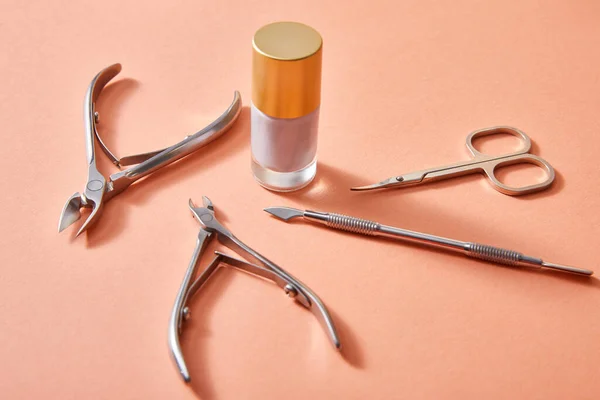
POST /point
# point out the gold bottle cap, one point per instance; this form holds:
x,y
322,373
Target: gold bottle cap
x,y
286,69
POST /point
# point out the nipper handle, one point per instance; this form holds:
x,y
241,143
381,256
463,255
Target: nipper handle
x,y
89,112
123,179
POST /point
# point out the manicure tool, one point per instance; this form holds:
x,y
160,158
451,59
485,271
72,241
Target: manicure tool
x,y
482,163
98,190
366,227
263,268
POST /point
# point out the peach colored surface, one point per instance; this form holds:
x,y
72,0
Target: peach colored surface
x,y
404,82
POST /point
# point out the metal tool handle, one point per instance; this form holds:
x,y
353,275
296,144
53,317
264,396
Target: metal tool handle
x,y
352,224
177,311
494,254
481,251
514,259
490,168
89,105
499,130
371,228
185,147
519,156
314,304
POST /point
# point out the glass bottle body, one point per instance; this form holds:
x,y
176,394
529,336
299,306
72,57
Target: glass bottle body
x,y
284,150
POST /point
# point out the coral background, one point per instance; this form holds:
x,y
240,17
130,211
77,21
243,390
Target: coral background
x,y
404,82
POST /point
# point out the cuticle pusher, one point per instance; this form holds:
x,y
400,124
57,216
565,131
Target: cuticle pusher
x,y
371,228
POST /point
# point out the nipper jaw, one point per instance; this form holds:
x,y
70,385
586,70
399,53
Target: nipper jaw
x,y
261,267
98,189
95,187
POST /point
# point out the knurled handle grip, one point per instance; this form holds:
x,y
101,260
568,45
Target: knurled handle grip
x,y
494,254
352,224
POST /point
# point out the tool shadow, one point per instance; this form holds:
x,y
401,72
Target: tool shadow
x,y
330,192
113,97
196,338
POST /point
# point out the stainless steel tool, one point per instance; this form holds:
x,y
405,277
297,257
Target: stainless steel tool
x,y
98,190
476,250
263,268
482,163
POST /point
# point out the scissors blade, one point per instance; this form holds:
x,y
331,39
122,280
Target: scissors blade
x,y
395,181
390,182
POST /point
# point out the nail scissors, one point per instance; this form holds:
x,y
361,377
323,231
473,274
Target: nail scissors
x,y
482,163
98,190
264,268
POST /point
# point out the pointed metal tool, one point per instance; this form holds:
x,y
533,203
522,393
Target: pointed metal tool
x,y
371,228
480,163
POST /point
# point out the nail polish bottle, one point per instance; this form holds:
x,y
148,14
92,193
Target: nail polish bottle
x,y
286,97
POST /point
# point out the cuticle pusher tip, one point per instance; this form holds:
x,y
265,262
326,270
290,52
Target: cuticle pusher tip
x,y
284,213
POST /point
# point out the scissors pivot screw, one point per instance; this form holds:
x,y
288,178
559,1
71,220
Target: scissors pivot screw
x,y
399,178
186,313
290,291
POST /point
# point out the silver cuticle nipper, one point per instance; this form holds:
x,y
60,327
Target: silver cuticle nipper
x,y
98,190
371,228
262,267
